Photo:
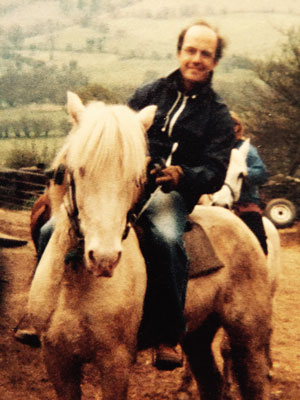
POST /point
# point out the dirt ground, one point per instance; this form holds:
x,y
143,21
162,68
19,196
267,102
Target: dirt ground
x,y
22,374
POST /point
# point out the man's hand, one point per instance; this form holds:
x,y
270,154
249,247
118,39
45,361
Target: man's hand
x,y
169,178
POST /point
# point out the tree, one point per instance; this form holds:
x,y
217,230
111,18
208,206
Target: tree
x,y
10,84
275,115
40,84
26,125
95,91
42,126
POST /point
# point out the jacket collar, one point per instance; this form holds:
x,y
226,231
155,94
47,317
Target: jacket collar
x,y
175,81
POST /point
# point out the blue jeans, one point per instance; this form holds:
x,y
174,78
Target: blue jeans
x,y
163,224
45,235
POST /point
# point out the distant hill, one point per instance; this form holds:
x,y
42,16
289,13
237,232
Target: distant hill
x,y
251,27
31,12
126,42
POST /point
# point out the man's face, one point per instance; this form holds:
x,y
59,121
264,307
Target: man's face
x,y
197,55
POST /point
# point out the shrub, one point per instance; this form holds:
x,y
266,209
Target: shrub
x,y
29,155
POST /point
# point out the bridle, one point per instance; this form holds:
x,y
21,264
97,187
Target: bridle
x,y
58,175
233,194
70,205
231,191
72,211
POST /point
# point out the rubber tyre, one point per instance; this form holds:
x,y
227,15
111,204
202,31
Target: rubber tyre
x,y
281,212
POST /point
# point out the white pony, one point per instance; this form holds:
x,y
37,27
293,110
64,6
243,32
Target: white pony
x,y
236,172
225,197
86,298
230,192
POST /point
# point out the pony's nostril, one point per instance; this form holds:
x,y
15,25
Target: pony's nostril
x,y
227,206
91,255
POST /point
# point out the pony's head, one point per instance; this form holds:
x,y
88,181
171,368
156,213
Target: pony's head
x,y
105,161
236,172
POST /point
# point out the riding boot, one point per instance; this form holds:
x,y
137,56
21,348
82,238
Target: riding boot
x,y
167,358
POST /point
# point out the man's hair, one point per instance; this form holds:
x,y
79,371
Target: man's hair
x,y
240,132
221,43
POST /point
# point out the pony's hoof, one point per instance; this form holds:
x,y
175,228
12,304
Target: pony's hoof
x,y
27,336
167,358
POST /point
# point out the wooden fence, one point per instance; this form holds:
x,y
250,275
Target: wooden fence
x,y
19,188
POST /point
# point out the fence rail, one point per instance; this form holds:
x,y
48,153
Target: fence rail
x,y
20,188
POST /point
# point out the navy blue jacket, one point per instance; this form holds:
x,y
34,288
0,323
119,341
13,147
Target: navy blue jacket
x,y
201,124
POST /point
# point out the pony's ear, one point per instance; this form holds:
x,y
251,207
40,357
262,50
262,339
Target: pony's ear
x,y
74,106
244,149
146,116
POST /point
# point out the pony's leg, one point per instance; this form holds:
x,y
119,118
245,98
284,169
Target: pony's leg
x,y
44,288
197,346
43,295
251,364
64,373
115,368
227,366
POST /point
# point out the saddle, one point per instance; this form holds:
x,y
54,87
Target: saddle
x,y
203,259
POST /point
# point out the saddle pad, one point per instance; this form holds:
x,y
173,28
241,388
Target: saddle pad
x,y
203,259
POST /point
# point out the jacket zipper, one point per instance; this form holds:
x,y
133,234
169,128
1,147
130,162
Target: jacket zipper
x,y
172,121
170,112
177,114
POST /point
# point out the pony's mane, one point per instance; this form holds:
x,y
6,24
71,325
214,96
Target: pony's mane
x,y
109,142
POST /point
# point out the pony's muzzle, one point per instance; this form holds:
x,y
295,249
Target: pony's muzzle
x,y
103,264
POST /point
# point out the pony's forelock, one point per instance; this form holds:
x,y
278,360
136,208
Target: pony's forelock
x,y
104,129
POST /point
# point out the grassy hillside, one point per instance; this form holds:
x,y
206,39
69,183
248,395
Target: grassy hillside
x,y
31,12
122,43
252,27
137,49
128,42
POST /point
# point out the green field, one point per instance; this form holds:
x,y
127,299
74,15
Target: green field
x,y
41,149
56,112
